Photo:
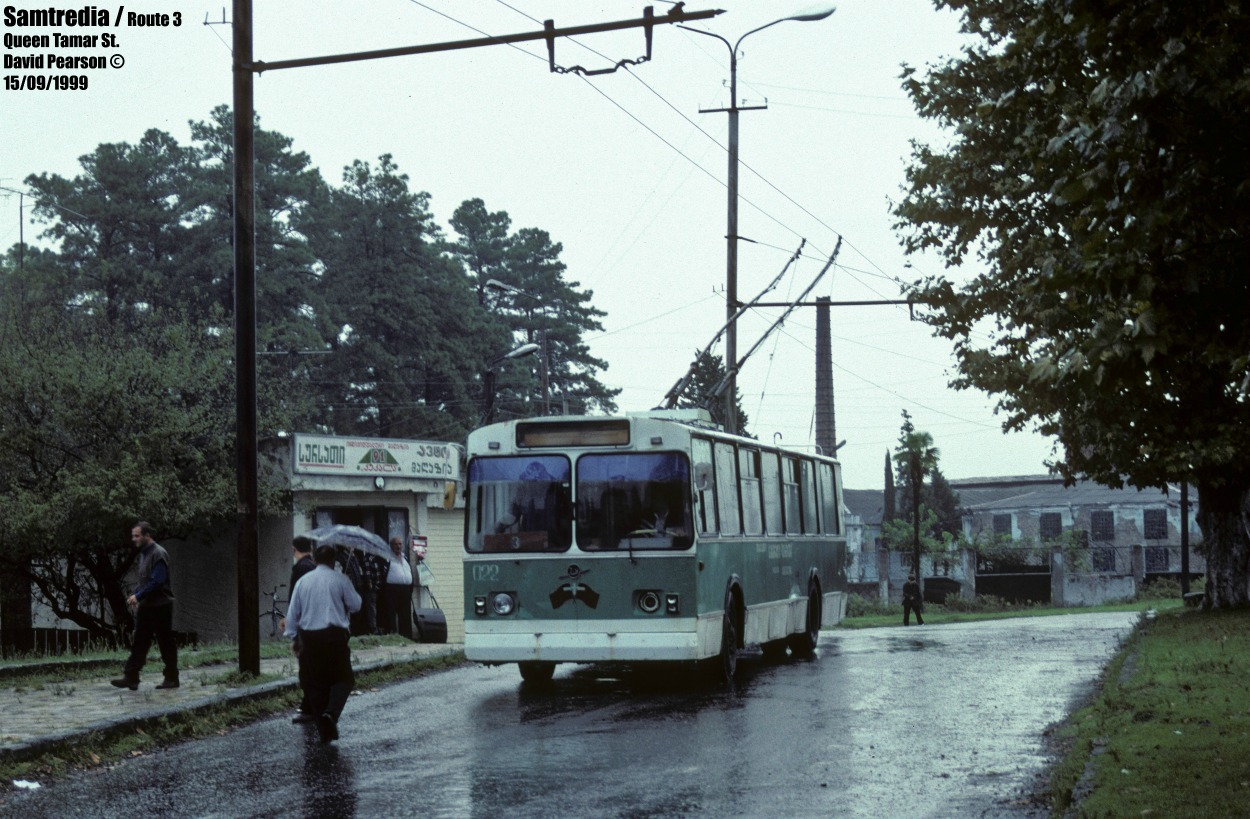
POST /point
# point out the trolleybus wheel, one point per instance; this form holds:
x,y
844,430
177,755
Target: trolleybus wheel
x,y
537,671
804,643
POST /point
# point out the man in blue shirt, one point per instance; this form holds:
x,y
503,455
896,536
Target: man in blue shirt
x,y
301,548
153,607
322,603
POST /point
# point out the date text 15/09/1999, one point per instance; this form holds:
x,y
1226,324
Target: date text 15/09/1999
x,y
45,82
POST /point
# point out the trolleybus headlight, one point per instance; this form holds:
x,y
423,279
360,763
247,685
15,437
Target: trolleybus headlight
x,y
672,604
479,606
503,603
649,601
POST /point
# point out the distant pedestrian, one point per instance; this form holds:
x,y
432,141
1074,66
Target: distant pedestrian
x,y
302,560
397,613
912,601
373,567
320,616
301,554
153,605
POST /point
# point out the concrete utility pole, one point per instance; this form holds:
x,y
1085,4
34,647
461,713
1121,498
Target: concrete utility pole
x,y
731,231
244,67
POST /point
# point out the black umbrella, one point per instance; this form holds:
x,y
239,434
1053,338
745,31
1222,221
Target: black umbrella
x,y
353,537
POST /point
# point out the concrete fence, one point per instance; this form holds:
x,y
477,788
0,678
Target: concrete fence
x,y
1085,577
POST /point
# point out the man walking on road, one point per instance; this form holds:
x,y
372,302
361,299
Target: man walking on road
x,y
153,607
912,601
320,616
301,550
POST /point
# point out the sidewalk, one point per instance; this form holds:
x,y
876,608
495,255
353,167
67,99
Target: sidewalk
x,y
33,720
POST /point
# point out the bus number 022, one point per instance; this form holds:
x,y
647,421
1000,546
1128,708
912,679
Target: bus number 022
x,y
488,572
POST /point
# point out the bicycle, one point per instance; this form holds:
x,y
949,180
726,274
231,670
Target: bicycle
x,y
275,614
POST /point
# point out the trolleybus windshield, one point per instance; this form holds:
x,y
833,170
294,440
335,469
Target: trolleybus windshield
x,y
633,501
520,504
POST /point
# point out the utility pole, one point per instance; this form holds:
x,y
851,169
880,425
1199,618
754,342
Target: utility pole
x,y
244,67
247,461
731,181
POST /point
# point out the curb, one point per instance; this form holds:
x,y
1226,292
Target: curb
x,y
127,724
8,672
23,751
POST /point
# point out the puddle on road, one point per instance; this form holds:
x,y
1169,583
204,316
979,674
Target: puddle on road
x,y
896,644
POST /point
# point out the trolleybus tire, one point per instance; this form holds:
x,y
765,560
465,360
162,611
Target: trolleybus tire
x,y
804,643
536,671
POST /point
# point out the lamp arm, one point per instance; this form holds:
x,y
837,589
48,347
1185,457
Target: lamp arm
x,y
752,31
710,34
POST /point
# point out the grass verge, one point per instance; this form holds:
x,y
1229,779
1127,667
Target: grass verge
x,y
1168,734
105,748
937,615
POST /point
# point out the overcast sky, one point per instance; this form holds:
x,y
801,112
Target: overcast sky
x,y
621,169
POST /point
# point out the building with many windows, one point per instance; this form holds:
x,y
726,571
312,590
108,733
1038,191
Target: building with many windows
x,y
1039,510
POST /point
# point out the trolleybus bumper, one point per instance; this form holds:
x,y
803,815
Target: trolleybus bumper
x,y
581,647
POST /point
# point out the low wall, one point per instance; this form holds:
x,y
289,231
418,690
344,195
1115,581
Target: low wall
x,y
1094,589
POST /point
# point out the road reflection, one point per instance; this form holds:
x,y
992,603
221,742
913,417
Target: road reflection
x,y
329,783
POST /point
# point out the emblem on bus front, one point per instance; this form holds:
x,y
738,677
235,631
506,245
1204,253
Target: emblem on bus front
x,y
574,589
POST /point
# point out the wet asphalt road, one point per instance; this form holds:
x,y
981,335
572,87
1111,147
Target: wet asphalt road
x,y
937,721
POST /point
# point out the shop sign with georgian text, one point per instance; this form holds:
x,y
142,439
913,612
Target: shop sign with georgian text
x,y
332,455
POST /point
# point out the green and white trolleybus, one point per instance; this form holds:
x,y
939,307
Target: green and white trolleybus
x,y
644,538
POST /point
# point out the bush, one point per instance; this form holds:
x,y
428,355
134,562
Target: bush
x,y
859,606
981,603
1161,588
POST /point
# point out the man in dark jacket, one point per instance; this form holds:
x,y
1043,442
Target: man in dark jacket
x,y
912,601
153,607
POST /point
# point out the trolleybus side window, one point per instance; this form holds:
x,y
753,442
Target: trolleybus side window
x,y
630,500
790,495
829,499
727,489
749,484
704,485
811,518
770,484
519,503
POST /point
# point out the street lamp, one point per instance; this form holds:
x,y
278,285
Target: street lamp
x,y
807,15
495,284
488,386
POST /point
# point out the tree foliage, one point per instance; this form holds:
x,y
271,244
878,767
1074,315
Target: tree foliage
x,y
539,306
399,318
914,457
106,423
707,372
116,342
890,507
1097,170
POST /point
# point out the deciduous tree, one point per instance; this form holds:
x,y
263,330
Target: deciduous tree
x,y
1097,170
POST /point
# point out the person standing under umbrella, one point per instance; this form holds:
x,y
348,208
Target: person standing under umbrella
x,y
320,616
397,614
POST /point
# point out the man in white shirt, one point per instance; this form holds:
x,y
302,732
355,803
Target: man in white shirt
x,y
397,611
322,603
